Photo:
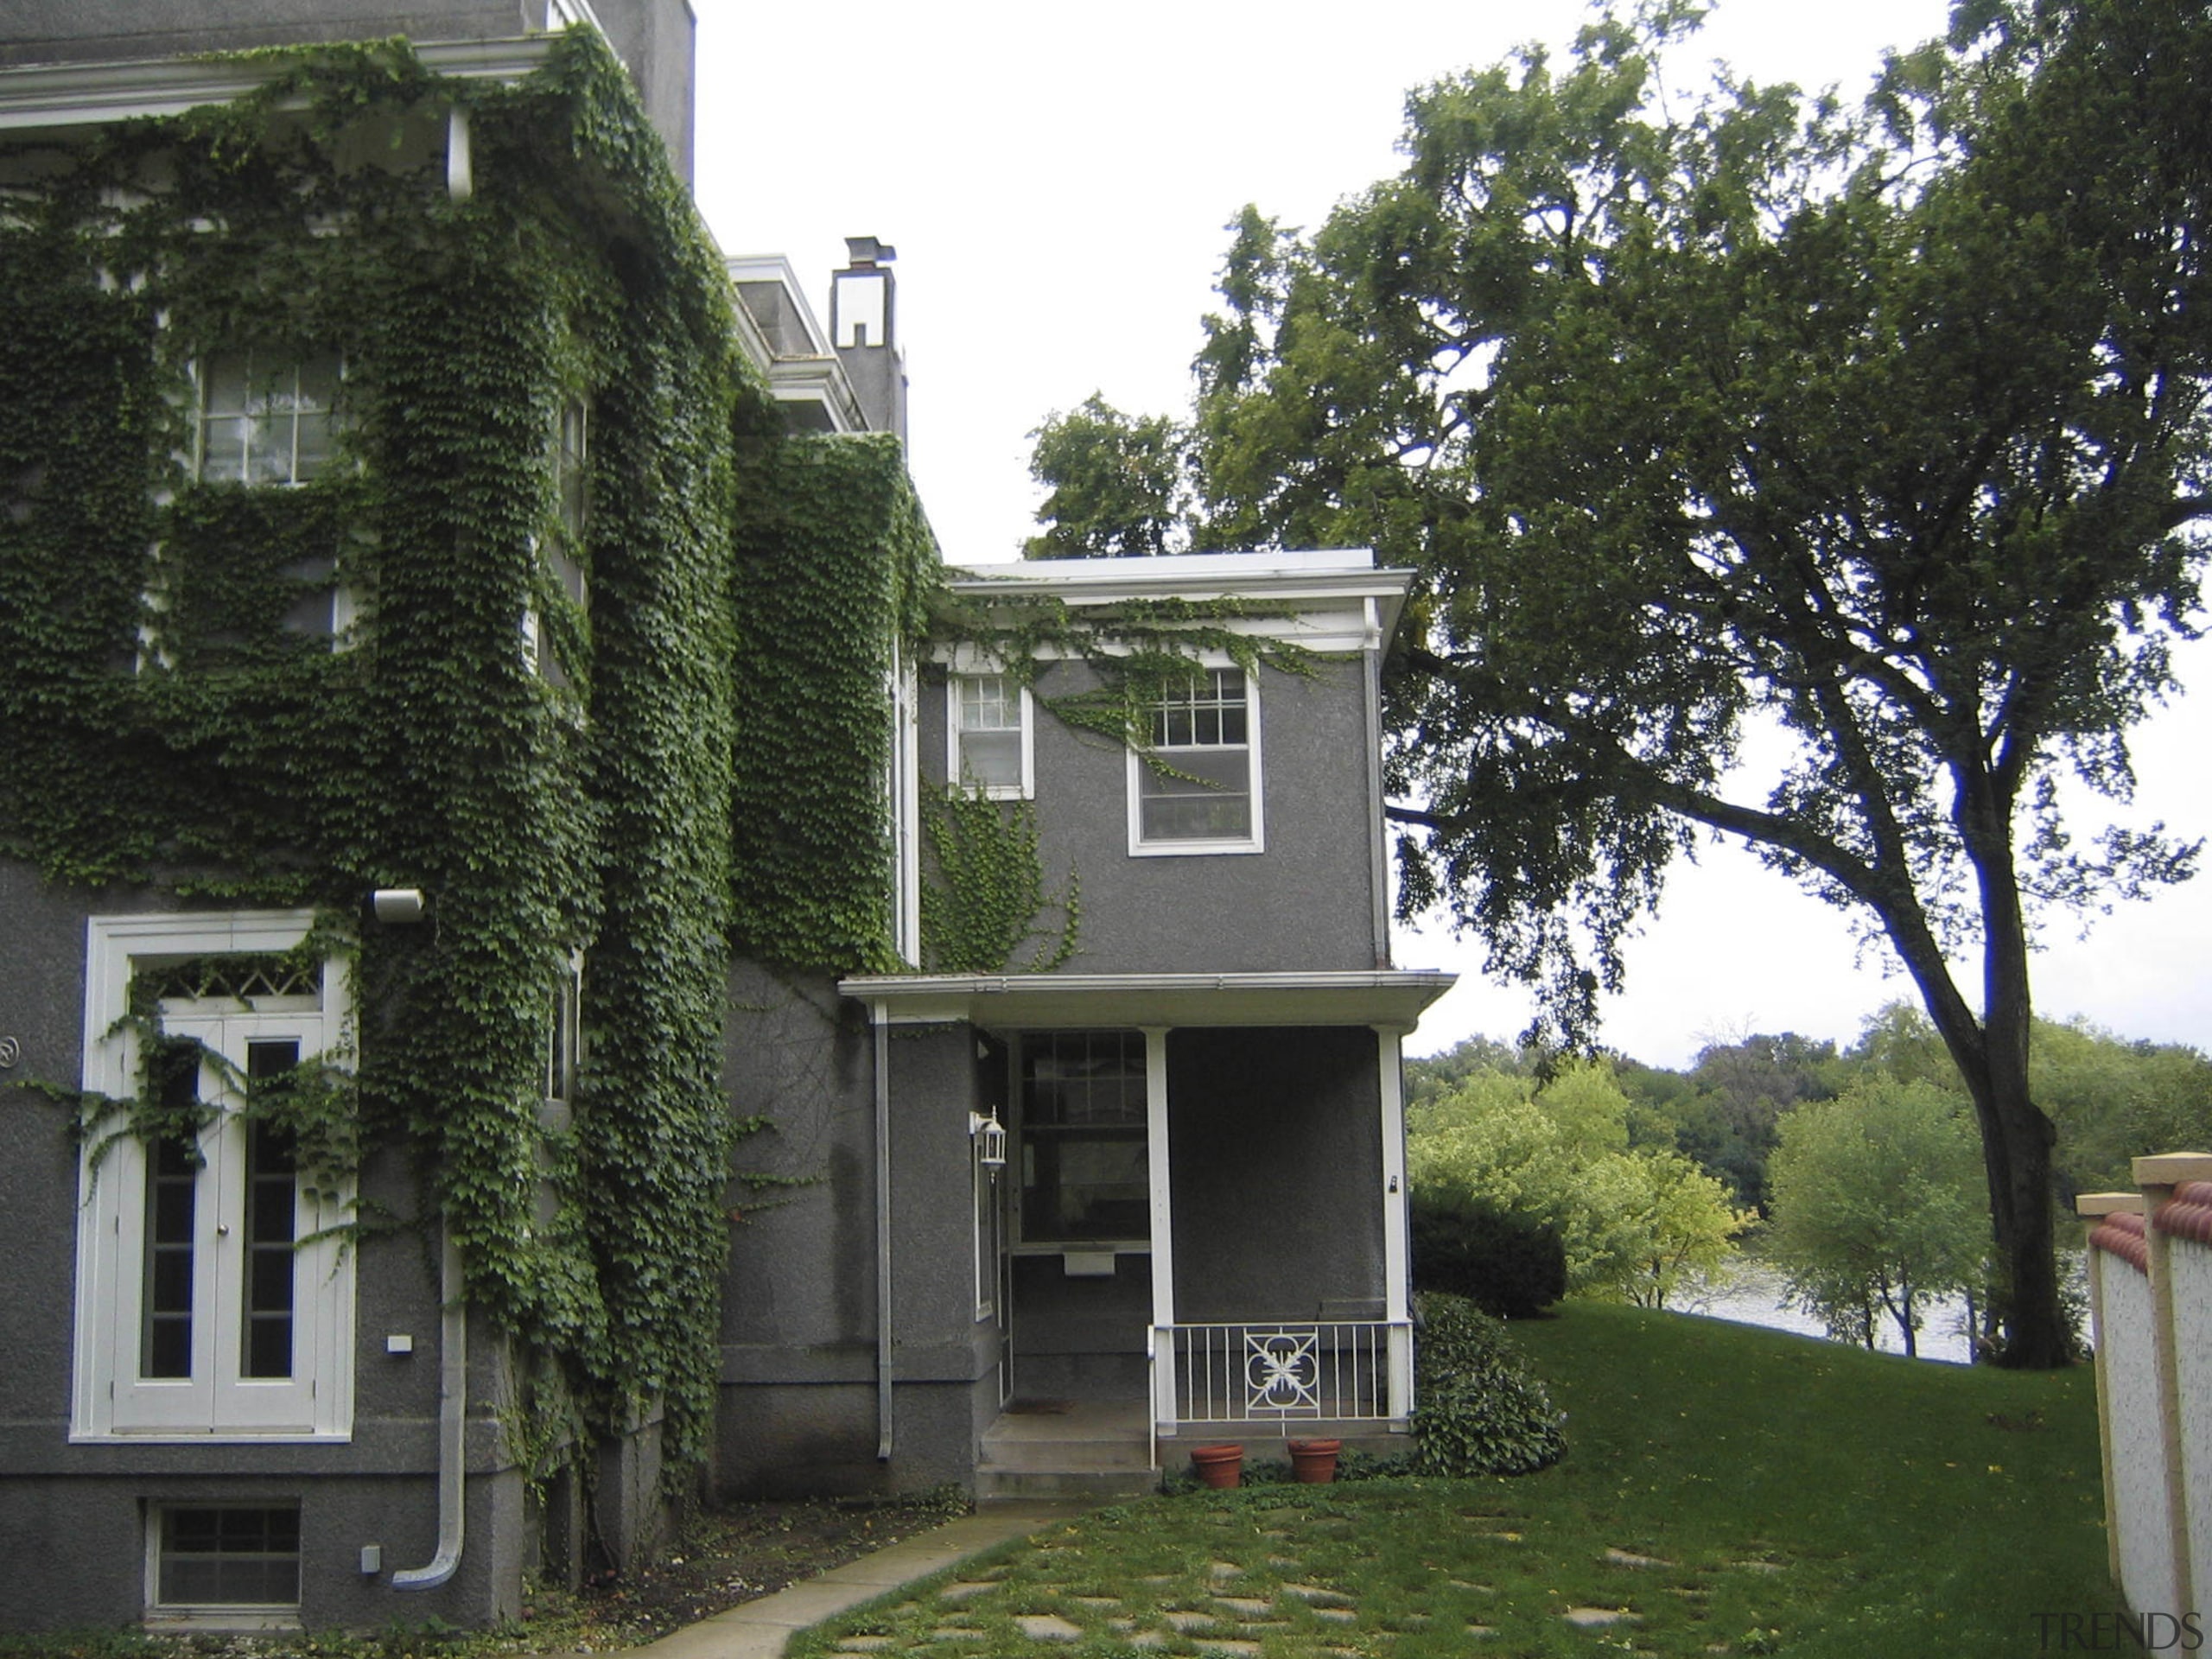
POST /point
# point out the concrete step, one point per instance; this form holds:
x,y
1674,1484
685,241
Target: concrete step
x,y
1100,1455
999,1485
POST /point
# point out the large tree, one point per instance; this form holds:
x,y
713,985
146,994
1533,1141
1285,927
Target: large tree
x,y
1882,430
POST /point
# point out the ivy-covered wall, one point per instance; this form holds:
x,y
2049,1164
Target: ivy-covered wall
x,y
835,572
705,767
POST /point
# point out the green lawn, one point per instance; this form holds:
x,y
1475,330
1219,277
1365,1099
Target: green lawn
x,y
1731,1490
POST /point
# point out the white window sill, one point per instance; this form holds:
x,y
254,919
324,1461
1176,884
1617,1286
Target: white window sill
x,y
206,1436
1193,849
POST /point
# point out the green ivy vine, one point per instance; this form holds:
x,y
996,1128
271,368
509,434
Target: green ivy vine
x,y
696,777
985,889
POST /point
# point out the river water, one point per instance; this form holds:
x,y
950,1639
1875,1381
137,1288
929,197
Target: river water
x,y
1752,1293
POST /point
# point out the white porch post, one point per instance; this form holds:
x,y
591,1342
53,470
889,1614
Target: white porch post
x,y
1162,1345
1396,1305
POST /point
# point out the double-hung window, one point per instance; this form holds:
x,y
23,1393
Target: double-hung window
x,y
263,418
989,749
1196,787
212,1297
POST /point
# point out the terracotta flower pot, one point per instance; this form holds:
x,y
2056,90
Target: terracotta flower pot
x,y
1315,1462
1218,1465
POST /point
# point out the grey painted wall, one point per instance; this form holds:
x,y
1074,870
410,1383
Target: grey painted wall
x,y
1275,1154
1305,903
800,1301
652,37
72,1516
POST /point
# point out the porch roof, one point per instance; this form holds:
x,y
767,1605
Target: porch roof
x,y
1392,997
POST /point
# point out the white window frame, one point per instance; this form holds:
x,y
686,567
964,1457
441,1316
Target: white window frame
x,y
110,1401
201,379
1257,842
956,772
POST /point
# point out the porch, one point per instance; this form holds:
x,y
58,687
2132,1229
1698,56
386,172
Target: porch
x,y
1189,1217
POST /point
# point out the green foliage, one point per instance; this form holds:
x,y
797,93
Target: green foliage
x,y
1120,485
1480,1410
1512,1265
1722,1114
1636,1224
982,896
1430,1076
170,724
1878,1206
2110,1100
832,542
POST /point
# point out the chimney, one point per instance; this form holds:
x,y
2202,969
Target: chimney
x,y
864,328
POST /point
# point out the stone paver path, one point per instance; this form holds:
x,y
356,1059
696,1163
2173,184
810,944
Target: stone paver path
x,y
1309,1584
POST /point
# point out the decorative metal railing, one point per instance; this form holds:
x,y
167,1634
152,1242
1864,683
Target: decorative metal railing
x,y
1334,1370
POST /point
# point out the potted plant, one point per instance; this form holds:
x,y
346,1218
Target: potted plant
x,y
1218,1465
1314,1461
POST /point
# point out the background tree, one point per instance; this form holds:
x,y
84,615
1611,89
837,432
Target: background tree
x,y
2110,1099
1634,1225
1877,1206
1886,431
1120,484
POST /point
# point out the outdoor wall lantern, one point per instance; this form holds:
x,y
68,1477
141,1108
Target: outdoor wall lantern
x,y
397,904
990,1135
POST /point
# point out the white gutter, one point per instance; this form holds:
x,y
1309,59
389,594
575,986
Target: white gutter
x,y
882,1235
95,94
453,1426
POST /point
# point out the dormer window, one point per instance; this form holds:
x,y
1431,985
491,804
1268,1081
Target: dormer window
x,y
990,750
264,419
1196,789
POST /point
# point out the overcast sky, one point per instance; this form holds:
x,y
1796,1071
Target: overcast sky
x,y
1055,181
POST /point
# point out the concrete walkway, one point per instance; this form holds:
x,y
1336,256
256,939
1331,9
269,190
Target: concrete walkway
x,y
758,1630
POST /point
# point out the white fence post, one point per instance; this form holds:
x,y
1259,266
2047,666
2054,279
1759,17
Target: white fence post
x,y
2150,1311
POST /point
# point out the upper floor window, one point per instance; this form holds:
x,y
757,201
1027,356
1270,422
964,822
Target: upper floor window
x,y
988,725
564,548
263,419
1197,789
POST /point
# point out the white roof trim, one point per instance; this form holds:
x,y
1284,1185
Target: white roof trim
x,y
1391,997
93,94
1287,579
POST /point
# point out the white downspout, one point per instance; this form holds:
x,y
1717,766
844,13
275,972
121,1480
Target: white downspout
x,y
452,1425
460,168
882,1234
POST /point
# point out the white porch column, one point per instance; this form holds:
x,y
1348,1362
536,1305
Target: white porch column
x,y
1163,1230
1396,1300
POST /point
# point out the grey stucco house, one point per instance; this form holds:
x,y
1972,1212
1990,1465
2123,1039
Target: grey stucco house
x,y
1198,1227
364,932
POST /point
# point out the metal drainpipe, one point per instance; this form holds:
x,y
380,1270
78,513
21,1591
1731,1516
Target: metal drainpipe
x,y
461,167
882,1235
453,1426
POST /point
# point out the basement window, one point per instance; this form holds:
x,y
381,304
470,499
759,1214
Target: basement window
x,y
225,1563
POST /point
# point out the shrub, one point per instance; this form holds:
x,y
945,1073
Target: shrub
x,y
1510,1265
1480,1412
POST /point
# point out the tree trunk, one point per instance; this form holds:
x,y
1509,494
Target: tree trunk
x,y
1992,1056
